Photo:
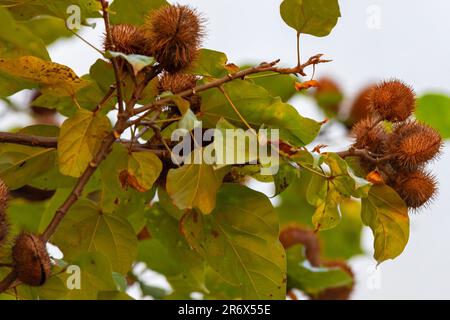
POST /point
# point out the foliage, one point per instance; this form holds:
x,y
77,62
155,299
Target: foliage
x,y
102,186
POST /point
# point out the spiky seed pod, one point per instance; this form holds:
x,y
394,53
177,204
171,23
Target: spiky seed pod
x,y
339,293
360,106
294,234
177,82
127,39
413,144
31,261
415,188
370,135
4,227
329,96
174,34
393,100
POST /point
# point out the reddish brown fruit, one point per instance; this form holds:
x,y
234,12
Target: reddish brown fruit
x,y
173,36
4,227
370,135
413,144
177,82
340,293
360,107
31,260
294,234
393,101
415,188
127,39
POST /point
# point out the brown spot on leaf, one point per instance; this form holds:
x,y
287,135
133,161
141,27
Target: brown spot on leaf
x,y
128,180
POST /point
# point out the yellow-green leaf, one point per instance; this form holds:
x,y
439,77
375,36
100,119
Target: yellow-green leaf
x,y
79,141
193,186
314,17
327,215
258,108
142,171
95,276
87,229
123,12
387,215
20,164
240,241
17,40
52,77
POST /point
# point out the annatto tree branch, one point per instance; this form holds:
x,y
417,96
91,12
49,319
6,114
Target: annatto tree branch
x,y
364,154
263,67
125,113
49,142
105,149
28,140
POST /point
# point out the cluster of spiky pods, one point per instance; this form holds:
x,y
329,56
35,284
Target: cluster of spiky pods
x,y
292,235
172,35
31,262
397,146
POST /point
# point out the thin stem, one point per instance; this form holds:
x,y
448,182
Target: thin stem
x,y
298,49
105,11
235,109
106,98
313,171
263,67
168,120
87,42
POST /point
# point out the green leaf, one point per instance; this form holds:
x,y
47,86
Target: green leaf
x,y
314,17
286,174
17,40
210,63
327,215
137,61
317,190
19,164
142,171
434,110
337,165
122,12
96,276
194,186
25,10
48,28
233,145
302,276
52,77
168,253
387,215
25,216
345,185
240,242
79,141
344,241
87,229
281,85
258,108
